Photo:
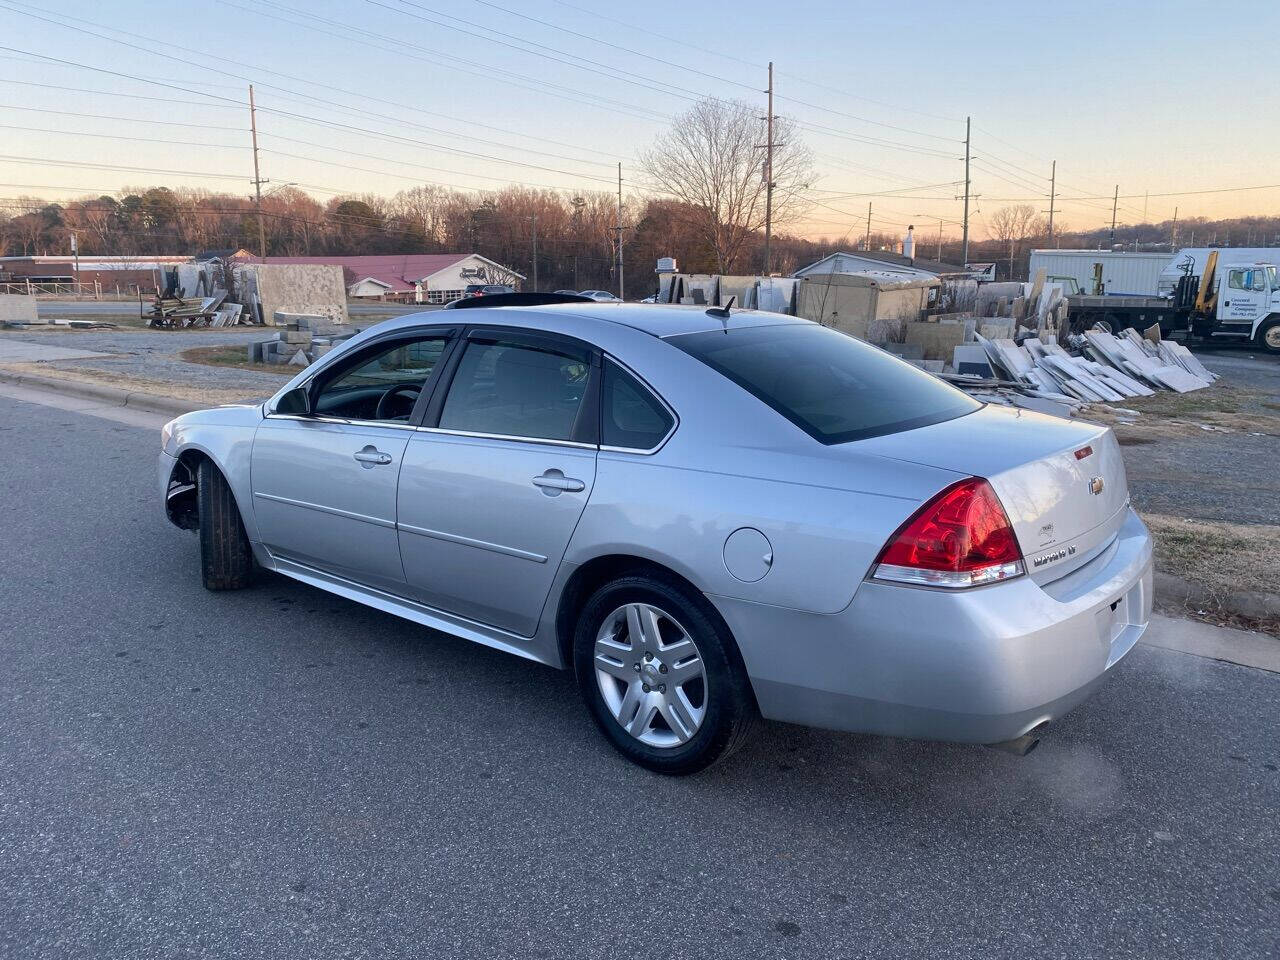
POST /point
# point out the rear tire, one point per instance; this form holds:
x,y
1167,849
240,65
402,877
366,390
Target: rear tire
x,y
226,559
716,705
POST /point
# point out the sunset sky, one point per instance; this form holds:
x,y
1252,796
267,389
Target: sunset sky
x,y
382,95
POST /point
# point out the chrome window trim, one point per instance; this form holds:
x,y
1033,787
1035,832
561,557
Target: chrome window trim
x,y
577,444
341,420
675,417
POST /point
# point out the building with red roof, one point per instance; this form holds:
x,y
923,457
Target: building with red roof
x,y
409,277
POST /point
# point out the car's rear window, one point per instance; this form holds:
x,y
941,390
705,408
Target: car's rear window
x,y
830,385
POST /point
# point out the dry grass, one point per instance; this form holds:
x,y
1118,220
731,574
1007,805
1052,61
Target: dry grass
x,y
233,357
1225,558
203,396
1220,408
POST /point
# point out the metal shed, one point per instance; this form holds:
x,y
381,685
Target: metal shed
x,y
852,301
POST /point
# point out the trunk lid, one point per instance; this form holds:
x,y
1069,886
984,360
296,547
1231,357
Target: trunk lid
x,y
1062,482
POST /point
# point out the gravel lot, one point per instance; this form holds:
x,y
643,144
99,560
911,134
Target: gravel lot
x,y
1210,475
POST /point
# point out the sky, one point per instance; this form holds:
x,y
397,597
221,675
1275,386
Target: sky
x,y
377,96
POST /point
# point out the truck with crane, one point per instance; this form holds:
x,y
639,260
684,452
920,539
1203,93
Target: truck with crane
x,y
1237,300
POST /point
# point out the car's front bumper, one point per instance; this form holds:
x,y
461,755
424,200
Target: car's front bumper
x,y
164,471
981,665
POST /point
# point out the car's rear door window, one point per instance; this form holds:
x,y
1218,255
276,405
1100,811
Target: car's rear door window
x,y
517,389
832,386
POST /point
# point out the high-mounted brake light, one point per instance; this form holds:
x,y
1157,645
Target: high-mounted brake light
x,y
960,538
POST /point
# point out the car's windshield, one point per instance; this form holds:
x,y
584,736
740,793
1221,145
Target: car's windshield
x,y
832,386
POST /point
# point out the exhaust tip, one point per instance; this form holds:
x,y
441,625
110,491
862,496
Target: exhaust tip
x,y
1021,746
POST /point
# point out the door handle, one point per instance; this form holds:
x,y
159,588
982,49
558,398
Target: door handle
x,y
554,482
372,456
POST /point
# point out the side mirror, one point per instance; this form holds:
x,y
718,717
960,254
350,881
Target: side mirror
x,y
296,402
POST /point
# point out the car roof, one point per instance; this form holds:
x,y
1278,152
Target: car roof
x,y
655,319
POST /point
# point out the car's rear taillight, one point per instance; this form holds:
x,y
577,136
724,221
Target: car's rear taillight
x,y
960,538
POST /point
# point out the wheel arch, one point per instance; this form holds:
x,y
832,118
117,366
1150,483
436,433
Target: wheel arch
x,y
592,574
181,497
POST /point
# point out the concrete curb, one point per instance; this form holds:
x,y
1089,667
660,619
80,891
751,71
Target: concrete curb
x,y
1257,606
114,396
1256,650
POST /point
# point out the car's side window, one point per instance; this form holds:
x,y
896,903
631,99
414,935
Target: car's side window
x,y
631,416
383,385
516,389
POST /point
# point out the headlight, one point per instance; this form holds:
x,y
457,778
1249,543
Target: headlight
x,y
166,436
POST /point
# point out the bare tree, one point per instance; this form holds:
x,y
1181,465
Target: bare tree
x,y
711,160
1013,225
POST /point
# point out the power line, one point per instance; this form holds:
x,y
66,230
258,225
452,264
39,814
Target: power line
x,y
104,116
336,124
667,38
113,136
702,73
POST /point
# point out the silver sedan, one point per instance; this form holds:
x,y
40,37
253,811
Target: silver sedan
x,y
708,517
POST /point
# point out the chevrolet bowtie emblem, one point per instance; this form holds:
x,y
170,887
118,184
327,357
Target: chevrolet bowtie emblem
x,y
1096,485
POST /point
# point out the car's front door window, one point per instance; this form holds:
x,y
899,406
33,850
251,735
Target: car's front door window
x,y
515,389
384,385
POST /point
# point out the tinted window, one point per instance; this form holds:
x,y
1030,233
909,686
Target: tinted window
x,y
516,390
832,386
399,369
631,416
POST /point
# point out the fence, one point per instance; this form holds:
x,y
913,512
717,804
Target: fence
x,y
65,290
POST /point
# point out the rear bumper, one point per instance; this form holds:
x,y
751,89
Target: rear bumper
x,y
981,665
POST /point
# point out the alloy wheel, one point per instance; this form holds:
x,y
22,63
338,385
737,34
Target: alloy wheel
x,y
651,675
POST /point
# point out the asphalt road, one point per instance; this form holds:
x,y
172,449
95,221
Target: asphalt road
x,y
280,773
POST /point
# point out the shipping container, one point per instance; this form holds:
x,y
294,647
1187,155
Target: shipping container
x,y
1123,273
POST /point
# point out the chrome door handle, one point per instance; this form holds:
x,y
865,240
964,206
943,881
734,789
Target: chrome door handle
x,y
554,482
371,456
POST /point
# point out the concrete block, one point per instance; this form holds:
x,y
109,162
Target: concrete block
x,y
938,341
255,352
300,288
972,358
318,350
300,337
299,359
17,308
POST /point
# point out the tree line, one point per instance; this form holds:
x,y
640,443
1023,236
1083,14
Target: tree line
x,y
702,199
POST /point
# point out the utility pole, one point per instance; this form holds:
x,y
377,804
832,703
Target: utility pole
x,y
1173,239
534,219
964,244
939,240
866,244
1115,201
768,178
1053,194
257,177
75,252
621,285
578,203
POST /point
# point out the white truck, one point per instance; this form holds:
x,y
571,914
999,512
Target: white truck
x,y
1235,299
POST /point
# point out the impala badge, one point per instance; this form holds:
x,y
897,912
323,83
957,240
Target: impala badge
x,y
1096,485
